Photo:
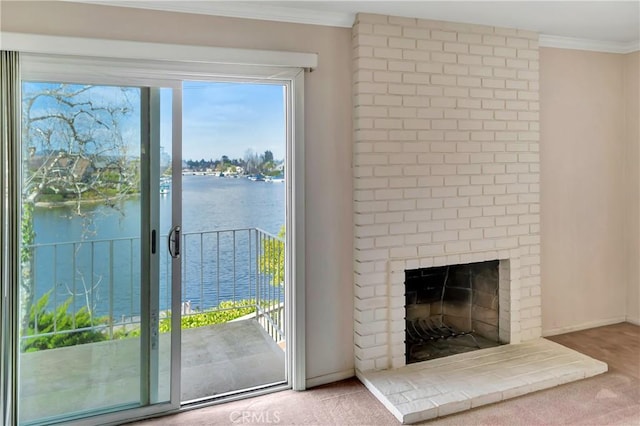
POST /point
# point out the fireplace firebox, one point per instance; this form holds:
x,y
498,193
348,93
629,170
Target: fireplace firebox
x,y
451,309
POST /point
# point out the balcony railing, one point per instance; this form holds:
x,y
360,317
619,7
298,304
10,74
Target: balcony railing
x,y
221,270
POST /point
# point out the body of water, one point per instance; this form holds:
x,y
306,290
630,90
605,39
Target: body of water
x,y
95,255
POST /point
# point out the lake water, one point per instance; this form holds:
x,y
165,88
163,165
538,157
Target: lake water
x,y
95,256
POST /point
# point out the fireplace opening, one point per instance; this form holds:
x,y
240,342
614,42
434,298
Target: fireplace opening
x,y
451,309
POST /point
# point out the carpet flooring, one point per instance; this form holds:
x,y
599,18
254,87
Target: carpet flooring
x,y
612,398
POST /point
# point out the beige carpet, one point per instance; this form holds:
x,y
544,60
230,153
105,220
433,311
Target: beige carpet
x,y
612,398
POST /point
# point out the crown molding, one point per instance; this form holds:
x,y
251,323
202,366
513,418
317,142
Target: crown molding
x,y
559,42
249,10
238,9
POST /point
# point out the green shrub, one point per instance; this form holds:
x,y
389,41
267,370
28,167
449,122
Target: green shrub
x,y
42,320
225,312
125,333
272,255
200,319
51,198
211,317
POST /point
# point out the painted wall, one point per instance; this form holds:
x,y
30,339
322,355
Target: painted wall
x,y
329,231
584,198
632,135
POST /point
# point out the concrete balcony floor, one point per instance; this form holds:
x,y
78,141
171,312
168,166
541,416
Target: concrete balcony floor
x,y
215,360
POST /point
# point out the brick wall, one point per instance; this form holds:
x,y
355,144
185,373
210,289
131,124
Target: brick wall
x,y
446,168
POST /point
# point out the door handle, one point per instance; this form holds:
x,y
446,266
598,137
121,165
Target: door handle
x,y
173,241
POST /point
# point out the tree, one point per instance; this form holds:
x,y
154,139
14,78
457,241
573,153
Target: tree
x,y
267,157
75,146
252,161
271,260
79,144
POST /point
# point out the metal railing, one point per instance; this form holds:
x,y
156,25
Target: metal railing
x,y
99,279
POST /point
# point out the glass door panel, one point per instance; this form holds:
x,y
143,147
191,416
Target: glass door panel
x,y
85,345
233,257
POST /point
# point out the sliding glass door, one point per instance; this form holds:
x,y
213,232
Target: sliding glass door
x,y
109,276
90,305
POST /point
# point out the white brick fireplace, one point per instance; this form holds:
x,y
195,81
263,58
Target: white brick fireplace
x,y
446,172
446,169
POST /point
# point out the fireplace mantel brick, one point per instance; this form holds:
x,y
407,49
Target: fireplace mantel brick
x,y
446,167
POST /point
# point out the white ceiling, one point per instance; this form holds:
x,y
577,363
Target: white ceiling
x,y
609,22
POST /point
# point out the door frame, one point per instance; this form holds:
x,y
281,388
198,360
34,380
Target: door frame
x,y
116,60
295,359
297,239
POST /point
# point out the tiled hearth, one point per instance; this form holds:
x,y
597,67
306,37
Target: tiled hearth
x,y
449,385
446,172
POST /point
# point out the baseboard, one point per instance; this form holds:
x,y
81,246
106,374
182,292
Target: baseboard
x,y
583,326
634,321
330,378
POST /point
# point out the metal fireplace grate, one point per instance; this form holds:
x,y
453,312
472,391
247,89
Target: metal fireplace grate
x,y
423,330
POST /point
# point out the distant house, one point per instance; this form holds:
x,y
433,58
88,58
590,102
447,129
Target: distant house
x,y
67,167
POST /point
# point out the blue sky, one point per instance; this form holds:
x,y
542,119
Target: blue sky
x,y
218,118
228,119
